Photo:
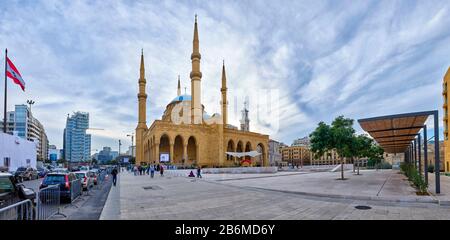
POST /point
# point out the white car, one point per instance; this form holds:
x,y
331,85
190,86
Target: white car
x,y
86,180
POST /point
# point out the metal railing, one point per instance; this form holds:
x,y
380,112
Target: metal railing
x,y
75,189
23,210
101,177
48,202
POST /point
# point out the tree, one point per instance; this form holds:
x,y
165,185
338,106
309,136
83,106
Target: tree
x,y
362,147
321,139
342,133
339,137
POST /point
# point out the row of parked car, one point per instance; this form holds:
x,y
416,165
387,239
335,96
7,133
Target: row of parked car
x,y
63,177
12,189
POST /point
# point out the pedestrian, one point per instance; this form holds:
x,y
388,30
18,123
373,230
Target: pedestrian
x,y
199,170
114,174
152,171
161,170
157,167
135,170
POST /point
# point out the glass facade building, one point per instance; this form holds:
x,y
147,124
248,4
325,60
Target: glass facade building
x,y
77,144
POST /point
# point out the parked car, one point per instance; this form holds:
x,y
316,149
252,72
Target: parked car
x,y
60,170
84,168
42,172
63,179
26,173
12,192
86,180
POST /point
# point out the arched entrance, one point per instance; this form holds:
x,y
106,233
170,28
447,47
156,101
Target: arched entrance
x,y
239,148
178,150
248,148
230,148
259,160
164,146
191,151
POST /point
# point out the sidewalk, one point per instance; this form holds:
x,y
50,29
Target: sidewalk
x,y
444,196
111,210
381,185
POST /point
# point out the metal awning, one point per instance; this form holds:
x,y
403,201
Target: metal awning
x,y
394,133
400,133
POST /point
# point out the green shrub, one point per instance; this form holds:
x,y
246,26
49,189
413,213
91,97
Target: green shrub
x,y
431,168
414,176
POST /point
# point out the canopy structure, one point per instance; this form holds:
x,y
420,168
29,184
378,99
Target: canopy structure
x,y
394,133
243,154
400,133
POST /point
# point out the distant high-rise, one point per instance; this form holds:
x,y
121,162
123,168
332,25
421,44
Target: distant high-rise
x,y
77,144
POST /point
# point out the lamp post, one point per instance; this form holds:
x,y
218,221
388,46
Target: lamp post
x,y
30,102
118,158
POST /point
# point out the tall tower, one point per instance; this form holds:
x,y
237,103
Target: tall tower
x,y
224,96
196,77
142,122
245,121
179,87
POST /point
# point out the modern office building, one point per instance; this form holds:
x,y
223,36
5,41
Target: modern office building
x,y
106,155
54,154
21,122
131,151
77,143
446,121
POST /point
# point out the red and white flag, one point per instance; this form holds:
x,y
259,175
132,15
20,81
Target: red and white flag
x,y
13,73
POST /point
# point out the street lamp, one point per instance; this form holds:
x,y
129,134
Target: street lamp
x,y
30,102
132,141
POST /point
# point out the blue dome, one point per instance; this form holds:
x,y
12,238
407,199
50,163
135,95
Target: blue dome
x,y
181,98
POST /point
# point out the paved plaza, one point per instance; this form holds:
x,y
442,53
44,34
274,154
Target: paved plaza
x,y
269,196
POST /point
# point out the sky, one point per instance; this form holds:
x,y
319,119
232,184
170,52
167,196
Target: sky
x,y
305,61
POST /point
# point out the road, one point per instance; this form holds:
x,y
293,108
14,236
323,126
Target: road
x,y
87,207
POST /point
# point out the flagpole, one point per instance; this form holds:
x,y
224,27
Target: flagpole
x,y
6,92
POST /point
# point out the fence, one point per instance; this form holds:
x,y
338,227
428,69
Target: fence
x,y
101,177
75,189
48,202
23,210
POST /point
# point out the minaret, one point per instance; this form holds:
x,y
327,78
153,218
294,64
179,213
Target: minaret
x,y
142,122
179,87
196,77
224,96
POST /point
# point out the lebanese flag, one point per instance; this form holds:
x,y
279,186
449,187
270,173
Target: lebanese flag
x,y
13,73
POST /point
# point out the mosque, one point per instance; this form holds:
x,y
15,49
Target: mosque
x,y
186,136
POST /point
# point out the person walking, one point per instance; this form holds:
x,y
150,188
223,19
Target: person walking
x,y
152,171
199,170
161,170
114,175
135,169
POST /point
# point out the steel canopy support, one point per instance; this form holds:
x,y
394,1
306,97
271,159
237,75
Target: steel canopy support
x,y
420,154
436,152
425,153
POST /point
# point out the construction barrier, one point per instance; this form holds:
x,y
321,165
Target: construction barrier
x,y
23,210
